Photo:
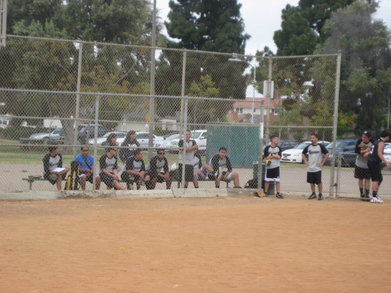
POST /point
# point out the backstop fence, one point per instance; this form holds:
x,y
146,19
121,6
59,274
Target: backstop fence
x,y
75,93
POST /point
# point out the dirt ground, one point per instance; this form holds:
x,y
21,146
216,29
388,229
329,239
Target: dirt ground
x,y
232,244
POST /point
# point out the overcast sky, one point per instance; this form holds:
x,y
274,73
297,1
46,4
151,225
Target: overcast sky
x,y
263,17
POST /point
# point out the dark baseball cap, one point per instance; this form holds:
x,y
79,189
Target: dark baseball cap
x,y
367,133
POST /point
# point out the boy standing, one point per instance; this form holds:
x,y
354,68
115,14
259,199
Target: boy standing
x,y
315,155
361,171
273,153
375,161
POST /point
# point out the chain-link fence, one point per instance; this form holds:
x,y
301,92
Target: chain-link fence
x,y
75,94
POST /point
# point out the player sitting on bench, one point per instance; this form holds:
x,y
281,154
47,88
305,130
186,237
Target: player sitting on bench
x,y
135,171
158,170
222,168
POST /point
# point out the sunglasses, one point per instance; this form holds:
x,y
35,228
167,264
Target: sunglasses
x,y
86,150
160,153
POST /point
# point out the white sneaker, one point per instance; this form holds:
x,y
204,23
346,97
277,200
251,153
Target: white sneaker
x,y
376,200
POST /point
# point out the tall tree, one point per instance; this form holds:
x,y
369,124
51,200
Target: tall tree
x,y
366,62
301,27
210,25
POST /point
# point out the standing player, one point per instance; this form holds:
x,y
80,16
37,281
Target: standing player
x,y
187,160
315,155
273,153
128,146
222,168
375,161
361,171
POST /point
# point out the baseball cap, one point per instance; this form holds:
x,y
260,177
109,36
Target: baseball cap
x,y
367,133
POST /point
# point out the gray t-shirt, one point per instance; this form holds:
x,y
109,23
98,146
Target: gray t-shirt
x,y
273,150
189,156
361,161
315,155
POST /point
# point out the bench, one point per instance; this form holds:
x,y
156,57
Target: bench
x,y
31,180
174,175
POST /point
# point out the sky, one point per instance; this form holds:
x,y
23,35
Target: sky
x,y
263,17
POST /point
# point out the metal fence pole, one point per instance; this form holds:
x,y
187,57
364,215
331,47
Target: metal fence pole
x,y
335,125
268,98
152,85
77,111
183,115
3,24
94,173
261,146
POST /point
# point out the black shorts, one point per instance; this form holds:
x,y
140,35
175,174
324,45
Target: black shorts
x,y
108,180
89,177
314,177
130,178
375,171
189,173
273,174
361,173
52,178
159,179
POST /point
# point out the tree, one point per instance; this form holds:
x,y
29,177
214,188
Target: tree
x,y
210,25
203,25
366,62
301,27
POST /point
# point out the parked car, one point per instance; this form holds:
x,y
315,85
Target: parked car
x,y
294,155
44,137
166,142
102,139
387,151
344,148
288,144
143,139
87,131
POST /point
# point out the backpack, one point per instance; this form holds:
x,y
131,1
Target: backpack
x,y
252,183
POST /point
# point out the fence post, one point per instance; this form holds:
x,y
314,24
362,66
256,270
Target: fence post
x,y
77,115
183,115
152,85
335,123
261,146
97,100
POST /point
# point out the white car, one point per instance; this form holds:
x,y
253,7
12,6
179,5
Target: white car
x,y
294,155
200,137
143,138
387,152
166,142
102,139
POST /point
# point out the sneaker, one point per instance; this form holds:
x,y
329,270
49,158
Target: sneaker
x,y
266,193
320,196
376,199
312,196
279,195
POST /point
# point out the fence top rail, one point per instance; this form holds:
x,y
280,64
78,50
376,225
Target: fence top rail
x,y
235,55
121,95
